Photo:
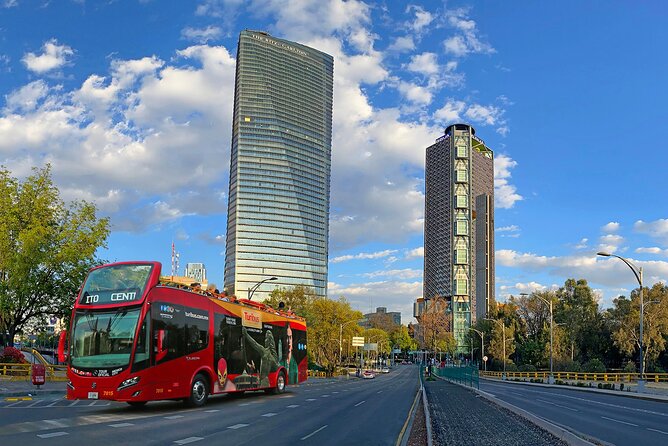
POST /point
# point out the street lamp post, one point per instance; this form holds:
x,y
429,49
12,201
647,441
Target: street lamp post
x,y
503,335
341,337
482,344
257,285
637,271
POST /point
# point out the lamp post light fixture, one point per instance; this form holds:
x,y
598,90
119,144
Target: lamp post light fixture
x,y
341,336
257,285
637,271
482,345
503,335
549,303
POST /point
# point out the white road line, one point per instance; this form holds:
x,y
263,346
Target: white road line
x,y
270,414
619,421
56,423
73,403
14,404
188,440
656,430
360,403
311,399
244,404
52,434
292,406
237,426
173,417
324,396
380,391
121,425
212,410
313,433
91,404
335,392
557,405
33,403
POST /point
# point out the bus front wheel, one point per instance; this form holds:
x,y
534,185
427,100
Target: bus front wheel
x,y
199,391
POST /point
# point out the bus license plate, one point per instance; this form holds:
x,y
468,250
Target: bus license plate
x,y
92,395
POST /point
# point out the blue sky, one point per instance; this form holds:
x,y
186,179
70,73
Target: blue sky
x,y
131,103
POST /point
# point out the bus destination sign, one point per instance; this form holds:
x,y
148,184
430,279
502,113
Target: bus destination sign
x,y
110,297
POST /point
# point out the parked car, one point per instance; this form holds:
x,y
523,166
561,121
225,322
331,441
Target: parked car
x,y
385,370
368,374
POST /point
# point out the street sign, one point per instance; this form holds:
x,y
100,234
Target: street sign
x,y
484,358
371,347
358,341
396,350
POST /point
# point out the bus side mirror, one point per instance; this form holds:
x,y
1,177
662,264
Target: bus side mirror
x,y
161,346
61,346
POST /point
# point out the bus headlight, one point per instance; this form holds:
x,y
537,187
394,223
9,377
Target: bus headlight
x,y
128,383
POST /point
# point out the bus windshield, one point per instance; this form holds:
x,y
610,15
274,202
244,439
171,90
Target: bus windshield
x,y
103,339
115,284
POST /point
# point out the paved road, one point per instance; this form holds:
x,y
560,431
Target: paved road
x,y
614,419
321,411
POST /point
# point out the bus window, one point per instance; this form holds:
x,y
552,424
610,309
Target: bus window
x,y
168,329
141,360
196,329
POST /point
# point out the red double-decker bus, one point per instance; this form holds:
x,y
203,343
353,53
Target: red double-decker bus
x,y
135,337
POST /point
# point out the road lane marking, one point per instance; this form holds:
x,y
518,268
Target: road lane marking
x,y
212,410
73,403
557,405
57,423
52,434
33,403
324,396
360,403
656,430
313,433
121,425
619,421
380,391
292,406
244,404
188,440
270,414
311,399
335,392
237,426
173,417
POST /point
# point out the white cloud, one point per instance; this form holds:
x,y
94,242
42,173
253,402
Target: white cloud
x,y
489,115
610,242
363,255
466,40
583,244
27,97
401,274
10,3
451,112
422,18
202,35
415,253
425,63
402,44
613,226
652,250
505,194
657,229
511,228
415,93
395,295
54,56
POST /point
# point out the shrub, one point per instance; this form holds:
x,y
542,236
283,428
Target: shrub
x,y
630,367
510,367
527,368
12,355
594,366
567,366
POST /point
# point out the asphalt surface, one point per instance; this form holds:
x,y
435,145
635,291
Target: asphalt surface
x,y
461,417
613,419
320,411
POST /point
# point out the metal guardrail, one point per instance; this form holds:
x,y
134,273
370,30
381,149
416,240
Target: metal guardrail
x,y
465,375
22,372
582,376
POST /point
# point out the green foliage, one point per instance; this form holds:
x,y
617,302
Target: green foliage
x,y
526,368
46,248
402,339
567,366
630,367
594,366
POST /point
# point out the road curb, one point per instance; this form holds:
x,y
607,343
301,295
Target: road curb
x,y
641,396
561,433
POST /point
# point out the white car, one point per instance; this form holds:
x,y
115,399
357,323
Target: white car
x,y
385,370
368,374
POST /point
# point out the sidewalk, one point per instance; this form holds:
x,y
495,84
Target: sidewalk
x,y
460,417
26,388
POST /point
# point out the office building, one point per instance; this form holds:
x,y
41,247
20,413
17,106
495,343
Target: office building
x,y
382,318
196,271
278,211
459,227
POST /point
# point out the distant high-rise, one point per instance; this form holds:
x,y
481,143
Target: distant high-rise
x,y
278,211
459,226
196,271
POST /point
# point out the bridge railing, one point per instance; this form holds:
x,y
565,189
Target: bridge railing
x,y
582,376
22,372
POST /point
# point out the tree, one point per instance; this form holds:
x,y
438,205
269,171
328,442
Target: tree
x,y
578,309
625,321
401,339
434,323
46,248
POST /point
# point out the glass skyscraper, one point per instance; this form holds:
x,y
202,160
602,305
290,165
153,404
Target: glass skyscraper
x,y
459,227
278,211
